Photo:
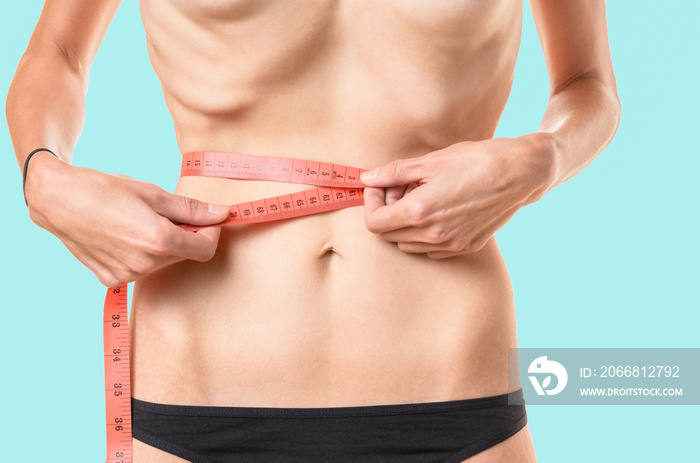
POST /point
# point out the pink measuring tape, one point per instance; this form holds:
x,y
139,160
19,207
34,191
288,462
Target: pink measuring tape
x,y
340,187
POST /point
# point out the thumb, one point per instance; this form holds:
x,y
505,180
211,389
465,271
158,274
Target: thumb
x,y
396,173
188,210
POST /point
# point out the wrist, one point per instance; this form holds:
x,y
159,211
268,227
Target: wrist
x,y
539,163
37,174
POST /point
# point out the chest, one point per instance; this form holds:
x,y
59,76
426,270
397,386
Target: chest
x,y
434,16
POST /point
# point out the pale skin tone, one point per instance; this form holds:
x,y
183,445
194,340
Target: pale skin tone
x,y
406,299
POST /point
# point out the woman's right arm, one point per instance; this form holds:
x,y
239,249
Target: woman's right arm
x,y
46,109
46,101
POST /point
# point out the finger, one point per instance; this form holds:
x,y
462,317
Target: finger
x,y
410,211
200,245
426,234
479,240
379,217
373,199
408,235
95,265
410,187
486,233
394,193
398,172
417,247
436,255
111,271
188,210
446,248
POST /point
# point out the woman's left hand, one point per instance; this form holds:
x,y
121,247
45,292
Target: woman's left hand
x,y
471,190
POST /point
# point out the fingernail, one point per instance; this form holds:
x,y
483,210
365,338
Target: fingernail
x,y
369,175
218,209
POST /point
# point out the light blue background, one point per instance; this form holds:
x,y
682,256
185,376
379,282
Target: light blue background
x,y
606,260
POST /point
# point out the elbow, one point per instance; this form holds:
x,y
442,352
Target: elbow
x,y
603,90
614,108
617,106
611,100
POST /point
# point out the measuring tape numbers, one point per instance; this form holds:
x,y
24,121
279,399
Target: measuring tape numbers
x,y
117,376
340,187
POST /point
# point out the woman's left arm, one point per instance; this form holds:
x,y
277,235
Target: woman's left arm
x,y
473,188
584,110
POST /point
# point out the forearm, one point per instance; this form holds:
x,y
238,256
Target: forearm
x,y
45,105
580,121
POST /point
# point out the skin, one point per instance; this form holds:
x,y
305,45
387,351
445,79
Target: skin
x,y
406,299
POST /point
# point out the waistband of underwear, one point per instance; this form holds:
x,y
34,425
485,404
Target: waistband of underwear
x,y
514,398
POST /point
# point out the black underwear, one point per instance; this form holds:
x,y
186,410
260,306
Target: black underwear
x,y
432,432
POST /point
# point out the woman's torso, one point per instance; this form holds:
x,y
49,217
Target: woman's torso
x,y
318,311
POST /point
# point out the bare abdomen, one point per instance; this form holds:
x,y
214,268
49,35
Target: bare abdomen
x,y
317,311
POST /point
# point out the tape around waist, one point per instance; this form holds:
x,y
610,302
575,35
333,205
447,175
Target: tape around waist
x,y
340,185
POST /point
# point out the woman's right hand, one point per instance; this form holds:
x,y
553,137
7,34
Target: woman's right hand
x,y
120,228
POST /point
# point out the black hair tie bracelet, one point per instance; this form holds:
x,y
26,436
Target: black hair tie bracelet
x,y
24,172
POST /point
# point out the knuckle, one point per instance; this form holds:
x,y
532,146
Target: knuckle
x,y
152,192
396,167
372,226
473,246
208,254
478,244
160,244
436,236
123,276
105,277
205,254
433,237
158,239
455,247
143,265
418,213
109,280
190,205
